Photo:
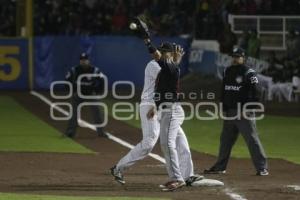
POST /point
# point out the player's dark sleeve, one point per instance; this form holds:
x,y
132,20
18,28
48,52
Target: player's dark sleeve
x,y
252,82
70,77
165,65
223,91
99,84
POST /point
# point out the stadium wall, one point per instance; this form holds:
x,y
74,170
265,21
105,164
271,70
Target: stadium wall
x,y
14,69
119,57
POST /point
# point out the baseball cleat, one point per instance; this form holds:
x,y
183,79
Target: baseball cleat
x,y
103,134
117,174
165,184
214,171
193,179
263,172
173,185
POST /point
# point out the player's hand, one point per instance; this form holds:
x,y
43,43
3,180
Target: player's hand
x,y
178,54
151,113
179,50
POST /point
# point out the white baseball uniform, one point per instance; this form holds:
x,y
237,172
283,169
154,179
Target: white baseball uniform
x,y
174,144
150,127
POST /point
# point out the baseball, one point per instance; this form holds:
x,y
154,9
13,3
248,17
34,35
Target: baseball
x,y
132,26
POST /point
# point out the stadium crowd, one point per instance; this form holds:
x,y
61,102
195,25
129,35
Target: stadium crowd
x,y
200,19
7,18
282,78
204,19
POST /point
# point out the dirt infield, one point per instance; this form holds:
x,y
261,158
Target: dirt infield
x,y
74,174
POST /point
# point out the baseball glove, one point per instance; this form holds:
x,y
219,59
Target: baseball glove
x,y
142,30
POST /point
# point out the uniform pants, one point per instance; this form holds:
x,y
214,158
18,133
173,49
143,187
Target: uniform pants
x,y
73,122
174,144
229,135
150,129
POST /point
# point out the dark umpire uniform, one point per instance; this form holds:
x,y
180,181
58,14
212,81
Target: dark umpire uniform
x,y
89,86
239,87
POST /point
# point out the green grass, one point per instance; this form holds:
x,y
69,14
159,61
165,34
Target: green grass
x,y
280,137
21,131
6,196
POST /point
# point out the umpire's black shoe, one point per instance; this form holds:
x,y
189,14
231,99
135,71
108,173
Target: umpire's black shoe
x,y
214,171
263,172
117,174
103,134
193,179
69,135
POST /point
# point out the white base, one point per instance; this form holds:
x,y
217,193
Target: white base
x,y
207,182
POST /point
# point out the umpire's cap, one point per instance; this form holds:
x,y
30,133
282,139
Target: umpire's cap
x,y
166,47
238,52
84,56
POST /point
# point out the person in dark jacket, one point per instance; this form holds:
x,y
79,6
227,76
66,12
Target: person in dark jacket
x,y
91,82
239,88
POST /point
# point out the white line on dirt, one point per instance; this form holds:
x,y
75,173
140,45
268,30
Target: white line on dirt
x,y
295,187
90,126
233,195
227,191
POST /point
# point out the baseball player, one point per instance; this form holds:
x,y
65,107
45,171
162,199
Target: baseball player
x,y
150,127
89,86
178,157
239,87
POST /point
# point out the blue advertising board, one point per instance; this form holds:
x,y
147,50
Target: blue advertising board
x,y
14,64
120,58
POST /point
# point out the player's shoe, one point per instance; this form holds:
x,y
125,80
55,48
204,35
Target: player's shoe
x,y
117,174
165,185
192,179
173,185
69,135
214,171
103,134
263,172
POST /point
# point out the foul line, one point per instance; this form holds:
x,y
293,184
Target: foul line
x,y
295,187
233,195
92,127
227,191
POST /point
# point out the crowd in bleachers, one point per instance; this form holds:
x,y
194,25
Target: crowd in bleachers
x,y
94,17
282,78
199,18
7,18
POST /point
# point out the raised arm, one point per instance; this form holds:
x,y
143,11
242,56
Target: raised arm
x,y
253,86
178,54
152,49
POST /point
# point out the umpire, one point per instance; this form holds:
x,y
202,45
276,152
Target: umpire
x,y
89,86
239,87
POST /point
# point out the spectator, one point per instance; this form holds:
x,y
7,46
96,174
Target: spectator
x,y
8,18
275,69
243,40
227,40
293,45
119,19
254,43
